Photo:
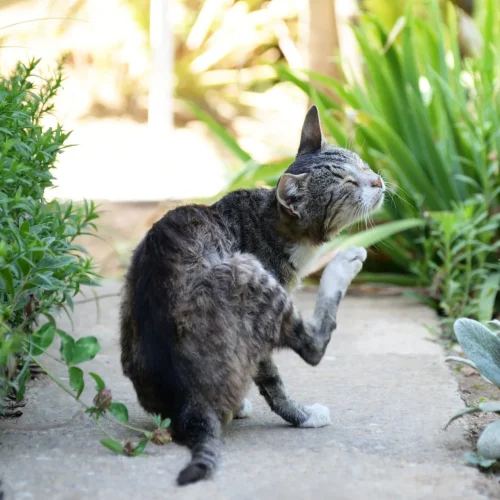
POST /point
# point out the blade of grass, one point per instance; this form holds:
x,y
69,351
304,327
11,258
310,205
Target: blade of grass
x,y
220,132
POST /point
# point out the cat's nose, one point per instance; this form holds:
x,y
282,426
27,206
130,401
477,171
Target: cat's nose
x,y
377,182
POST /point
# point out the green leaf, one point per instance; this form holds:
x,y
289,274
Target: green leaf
x,y
25,265
76,380
42,339
99,382
119,411
253,174
461,413
487,297
464,361
473,459
20,382
367,238
156,420
379,233
481,346
6,275
165,423
220,132
24,229
494,325
141,446
85,349
67,346
488,445
113,445
490,407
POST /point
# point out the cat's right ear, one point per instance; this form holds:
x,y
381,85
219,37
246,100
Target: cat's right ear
x,y
287,190
311,138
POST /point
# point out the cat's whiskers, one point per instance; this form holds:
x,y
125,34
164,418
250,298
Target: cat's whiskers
x,y
392,190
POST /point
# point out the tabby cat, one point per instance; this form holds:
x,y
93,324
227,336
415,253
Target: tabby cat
x,y
206,299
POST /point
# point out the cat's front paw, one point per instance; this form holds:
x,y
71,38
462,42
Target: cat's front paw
x,y
339,273
319,416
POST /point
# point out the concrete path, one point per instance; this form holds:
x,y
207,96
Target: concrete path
x,y
386,385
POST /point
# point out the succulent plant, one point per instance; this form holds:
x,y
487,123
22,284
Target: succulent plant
x,y
481,344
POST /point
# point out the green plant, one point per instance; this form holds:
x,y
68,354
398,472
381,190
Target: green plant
x,y
41,267
482,346
458,246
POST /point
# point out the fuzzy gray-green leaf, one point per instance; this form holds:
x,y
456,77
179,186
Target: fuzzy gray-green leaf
x,y
463,361
481,346
488,445
461,413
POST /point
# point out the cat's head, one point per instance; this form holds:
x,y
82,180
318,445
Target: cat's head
x,y
326,188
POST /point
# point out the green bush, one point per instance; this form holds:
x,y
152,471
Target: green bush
x,y
41,267
429,121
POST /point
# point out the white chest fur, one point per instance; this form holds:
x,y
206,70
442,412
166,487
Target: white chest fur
x,y
301,256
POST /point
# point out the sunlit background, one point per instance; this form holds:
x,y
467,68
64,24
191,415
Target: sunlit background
x,y
130,81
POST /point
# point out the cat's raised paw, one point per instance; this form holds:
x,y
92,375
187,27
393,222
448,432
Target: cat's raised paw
x,y
352,254
339,273
245,410
319,416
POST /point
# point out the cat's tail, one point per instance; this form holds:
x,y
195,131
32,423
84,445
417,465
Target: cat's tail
x,y
201,431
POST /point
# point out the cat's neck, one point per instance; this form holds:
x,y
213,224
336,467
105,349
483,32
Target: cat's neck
x,y
258,226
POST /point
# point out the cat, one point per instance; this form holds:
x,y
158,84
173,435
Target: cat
x,y
206,297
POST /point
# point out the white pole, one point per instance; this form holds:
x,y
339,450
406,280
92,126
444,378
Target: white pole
x,y
160,92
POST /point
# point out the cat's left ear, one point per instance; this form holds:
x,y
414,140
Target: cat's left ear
x,y
288,187
311,139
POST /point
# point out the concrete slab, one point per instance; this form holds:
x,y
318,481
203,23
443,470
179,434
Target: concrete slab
x,y
386,385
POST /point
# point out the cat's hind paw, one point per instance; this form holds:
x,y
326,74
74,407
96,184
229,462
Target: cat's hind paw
x,y
319,416
245,410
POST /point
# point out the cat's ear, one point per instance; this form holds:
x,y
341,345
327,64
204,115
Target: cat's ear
x,y
311,138
287,190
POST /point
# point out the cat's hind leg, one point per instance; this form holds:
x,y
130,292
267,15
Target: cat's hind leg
x,y
271,386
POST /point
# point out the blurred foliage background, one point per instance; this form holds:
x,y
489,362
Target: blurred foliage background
x,y
411,85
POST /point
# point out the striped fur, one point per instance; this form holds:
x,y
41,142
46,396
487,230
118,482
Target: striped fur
x,y
206,298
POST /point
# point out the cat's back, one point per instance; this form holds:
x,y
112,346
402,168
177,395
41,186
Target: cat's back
x,y
184,237
173,252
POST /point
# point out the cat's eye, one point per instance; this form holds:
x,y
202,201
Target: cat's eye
x,y
351,181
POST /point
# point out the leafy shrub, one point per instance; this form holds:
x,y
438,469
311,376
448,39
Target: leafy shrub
x,y
41,267
457,261
429,120
482,346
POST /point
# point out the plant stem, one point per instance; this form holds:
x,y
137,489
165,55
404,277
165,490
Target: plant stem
x,y
59,383
67,390
99,426
32,344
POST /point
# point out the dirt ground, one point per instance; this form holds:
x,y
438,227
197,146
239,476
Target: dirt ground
x,y
474,390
